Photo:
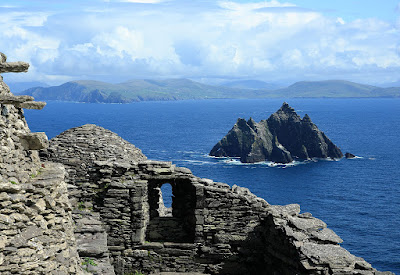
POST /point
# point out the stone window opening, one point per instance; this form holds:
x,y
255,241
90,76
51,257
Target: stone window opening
x,y
175,223
165,202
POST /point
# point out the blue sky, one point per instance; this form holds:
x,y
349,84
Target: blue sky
x,y
210,41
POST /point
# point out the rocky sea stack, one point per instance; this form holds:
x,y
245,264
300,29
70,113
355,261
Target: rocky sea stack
x,y
283,137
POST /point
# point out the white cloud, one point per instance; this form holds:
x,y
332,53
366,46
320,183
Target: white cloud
x,y
253,6
138,1
340,21
265,39
26,19
119,42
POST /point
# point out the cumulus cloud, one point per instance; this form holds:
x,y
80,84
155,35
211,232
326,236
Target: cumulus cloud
x,y
269,40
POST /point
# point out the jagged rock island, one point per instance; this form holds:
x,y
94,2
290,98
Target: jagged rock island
x,y
89,202
283,137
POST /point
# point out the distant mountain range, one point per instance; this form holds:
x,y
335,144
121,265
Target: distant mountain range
x,y
181,89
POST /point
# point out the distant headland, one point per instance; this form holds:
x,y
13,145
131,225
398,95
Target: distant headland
x,y
184,89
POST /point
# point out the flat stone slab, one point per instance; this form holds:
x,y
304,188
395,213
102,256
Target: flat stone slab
x,y
12,67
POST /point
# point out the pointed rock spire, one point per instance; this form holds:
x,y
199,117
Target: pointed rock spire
x,y
306,119
286,108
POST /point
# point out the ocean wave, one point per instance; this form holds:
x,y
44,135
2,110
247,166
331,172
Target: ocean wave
x,y
188,152
197,162
236,161
357,157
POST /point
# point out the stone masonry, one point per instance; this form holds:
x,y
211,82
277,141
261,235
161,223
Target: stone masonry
x,y
18,156
77,149
36,226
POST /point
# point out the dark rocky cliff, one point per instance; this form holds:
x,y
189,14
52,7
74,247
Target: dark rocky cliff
x,y
283,137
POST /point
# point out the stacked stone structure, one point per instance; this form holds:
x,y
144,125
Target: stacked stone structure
x,y
77,149
109,211
36,226
18,155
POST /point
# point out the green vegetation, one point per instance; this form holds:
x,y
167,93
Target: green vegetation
x,y
37,173
82,207
88,262
13,182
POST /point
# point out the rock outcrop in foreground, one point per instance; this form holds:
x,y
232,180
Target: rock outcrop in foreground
x,y
283,137
107,216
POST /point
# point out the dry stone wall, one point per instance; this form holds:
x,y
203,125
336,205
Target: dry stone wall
x,y
17,161
36,226
78,148
234,232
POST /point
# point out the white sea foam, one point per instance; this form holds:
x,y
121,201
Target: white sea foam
x,y
357,157
198,162
236,161
188,152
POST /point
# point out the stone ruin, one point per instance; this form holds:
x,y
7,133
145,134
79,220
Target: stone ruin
x,y
92,204
36,226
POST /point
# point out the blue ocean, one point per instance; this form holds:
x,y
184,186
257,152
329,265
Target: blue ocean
x,y
359,198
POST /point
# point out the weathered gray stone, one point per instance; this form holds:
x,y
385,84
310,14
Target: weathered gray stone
x,y
36,105
309,225
92,245
12,186
12,67
29,233
327,235
34,141
333,255
15,100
